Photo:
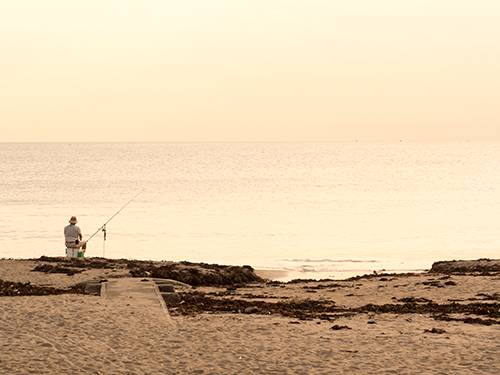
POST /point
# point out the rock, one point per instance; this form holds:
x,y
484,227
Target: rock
x,y
466,266
171,298
197,274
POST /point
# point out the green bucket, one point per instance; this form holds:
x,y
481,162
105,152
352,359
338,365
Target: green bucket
x,y
81,254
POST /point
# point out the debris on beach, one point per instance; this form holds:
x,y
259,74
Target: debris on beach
x,y
11,289
49,268
194,303
439,331
225,289
194,274
336,327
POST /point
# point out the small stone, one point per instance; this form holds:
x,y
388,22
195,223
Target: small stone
x,y
336,327
435,330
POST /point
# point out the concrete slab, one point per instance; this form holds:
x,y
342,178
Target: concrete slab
x,y
139,294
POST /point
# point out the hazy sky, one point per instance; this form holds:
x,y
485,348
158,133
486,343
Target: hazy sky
x,y
257,70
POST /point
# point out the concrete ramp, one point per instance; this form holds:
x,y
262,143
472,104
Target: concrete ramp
x,y
138,294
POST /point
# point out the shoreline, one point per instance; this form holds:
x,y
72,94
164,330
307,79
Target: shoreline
x,y
138,268
444,320
284,275
272,274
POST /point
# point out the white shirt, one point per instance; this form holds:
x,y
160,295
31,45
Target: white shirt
x,y
72,233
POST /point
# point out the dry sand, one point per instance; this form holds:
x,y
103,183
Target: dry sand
x,y
86,334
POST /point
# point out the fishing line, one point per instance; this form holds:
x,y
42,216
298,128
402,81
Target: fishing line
x,y
103,227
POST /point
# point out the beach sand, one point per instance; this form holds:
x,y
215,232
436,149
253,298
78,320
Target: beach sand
x,y
380,324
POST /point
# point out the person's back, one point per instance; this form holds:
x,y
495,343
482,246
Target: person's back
x,y
71,233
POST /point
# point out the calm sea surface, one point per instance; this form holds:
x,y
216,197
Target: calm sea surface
x,y
315,209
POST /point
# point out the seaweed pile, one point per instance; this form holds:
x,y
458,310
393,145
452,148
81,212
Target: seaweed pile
x,y
11,289
202,274
194,303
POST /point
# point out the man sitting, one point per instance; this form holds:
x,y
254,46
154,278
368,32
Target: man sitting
x,y
73,238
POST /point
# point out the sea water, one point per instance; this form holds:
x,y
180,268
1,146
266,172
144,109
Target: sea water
x,y
313,209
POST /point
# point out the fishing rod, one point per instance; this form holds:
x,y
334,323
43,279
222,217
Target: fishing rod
x,y
103,227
